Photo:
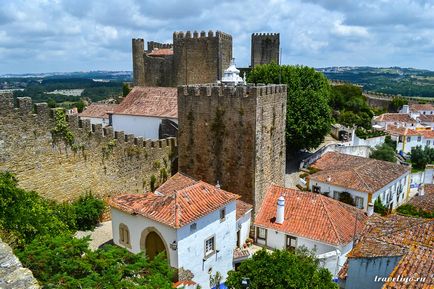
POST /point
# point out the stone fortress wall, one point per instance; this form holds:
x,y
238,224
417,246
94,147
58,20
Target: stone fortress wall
x,y
101,160
197,58
234,135
265,48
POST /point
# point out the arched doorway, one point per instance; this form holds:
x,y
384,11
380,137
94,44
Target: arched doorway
x,y
152,243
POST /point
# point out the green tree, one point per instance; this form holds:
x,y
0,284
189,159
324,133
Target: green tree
x,y
384,152
125,89
420,157
80,105
308,117
88,211
398,102
281,269
379,207
66,262
346,198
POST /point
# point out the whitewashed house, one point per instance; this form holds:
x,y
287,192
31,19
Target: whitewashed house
x,y
290,219
97,113
396,119
148,112
410,138
193,222
364,179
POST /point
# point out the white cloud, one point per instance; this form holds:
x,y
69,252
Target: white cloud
x,y
66,35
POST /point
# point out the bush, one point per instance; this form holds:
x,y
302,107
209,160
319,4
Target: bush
x,y
346,198
379,207
384,152
410,210
88,211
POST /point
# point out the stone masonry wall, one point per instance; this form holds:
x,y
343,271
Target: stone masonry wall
x,y
201,58
265,48
159,71
101,161
234,135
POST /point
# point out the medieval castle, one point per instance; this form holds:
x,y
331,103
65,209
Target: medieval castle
x,y
195,58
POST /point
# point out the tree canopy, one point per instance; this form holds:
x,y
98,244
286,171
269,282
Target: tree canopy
x,y
281,269
384,152
308,117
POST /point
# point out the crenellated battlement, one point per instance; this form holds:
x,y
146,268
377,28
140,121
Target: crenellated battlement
x,y
265,34
202,35
153,44
215,90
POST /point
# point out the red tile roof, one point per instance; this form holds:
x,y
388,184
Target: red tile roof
x,y
419,107
425,202
150,101
160,52
242,208
311,216
98,110
395,117
397,235
424,133
426,117
357,173
175,204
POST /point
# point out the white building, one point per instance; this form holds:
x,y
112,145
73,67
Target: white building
x,y
232,75
364,179
148,112
97,113
290,219
193,222
410,138
396,119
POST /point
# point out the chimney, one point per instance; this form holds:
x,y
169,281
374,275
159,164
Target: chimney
x,y
405,109
370,211
218,185
280,214
422,191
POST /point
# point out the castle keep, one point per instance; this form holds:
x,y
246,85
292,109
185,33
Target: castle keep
x,y
193,58
233,135
265,48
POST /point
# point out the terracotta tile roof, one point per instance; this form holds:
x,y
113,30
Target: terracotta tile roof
x,y
418,107
425,202
394,130
242,208
424,133
311,216
426,117
182,284
160,52
150,101
397,235
357,173
175,205
395,117
98,110
241,253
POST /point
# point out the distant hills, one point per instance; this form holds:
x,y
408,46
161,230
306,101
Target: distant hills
x,y
392,80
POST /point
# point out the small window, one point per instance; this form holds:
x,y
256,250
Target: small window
x,y
336,195
222,214
409,138
419,138
262,233
316,189
193,227
124,235
359,202
209,246
428,142
291,242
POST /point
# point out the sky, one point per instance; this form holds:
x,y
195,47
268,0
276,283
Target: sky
x,y
82,35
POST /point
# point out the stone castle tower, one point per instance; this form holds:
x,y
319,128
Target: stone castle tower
x,y
265,48
234,135
193,58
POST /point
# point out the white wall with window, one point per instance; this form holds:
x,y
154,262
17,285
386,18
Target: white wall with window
x,y
279,240
406,143
207,246
392,195
204,246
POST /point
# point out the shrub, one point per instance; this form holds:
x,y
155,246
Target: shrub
x,y
379,207
410,210
88,211
346,198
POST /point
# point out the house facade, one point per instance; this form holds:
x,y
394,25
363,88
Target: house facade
x,y
148,112
98,113
194,223
410,138
392,252
364,179
291,219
